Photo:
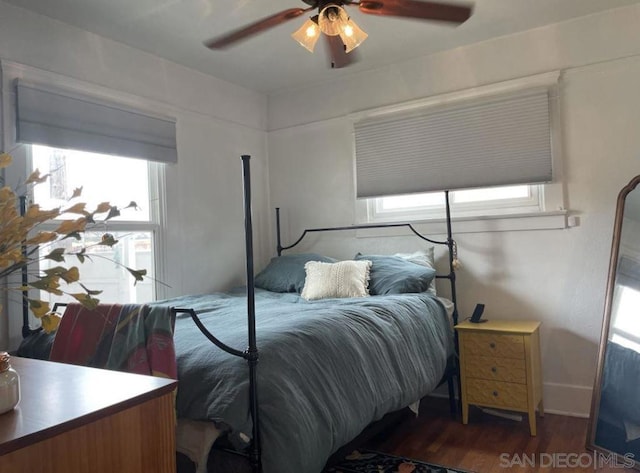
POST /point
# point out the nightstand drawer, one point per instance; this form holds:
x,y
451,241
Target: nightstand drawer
x,y
497,369
493,344
497,393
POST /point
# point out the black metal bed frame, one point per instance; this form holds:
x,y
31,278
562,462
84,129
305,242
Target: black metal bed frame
x,y
251,354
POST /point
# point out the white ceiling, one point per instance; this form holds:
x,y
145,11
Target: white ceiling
x,y
271,61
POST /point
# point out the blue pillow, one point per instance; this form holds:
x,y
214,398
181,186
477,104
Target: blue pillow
x,y
396,275
286,273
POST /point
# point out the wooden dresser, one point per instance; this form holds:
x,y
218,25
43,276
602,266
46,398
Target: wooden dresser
x,y
500,367
76,419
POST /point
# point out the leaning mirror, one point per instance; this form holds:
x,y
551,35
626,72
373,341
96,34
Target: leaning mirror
x,y
614,426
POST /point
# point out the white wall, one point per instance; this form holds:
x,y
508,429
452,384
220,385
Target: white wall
x,y
556,276
216,123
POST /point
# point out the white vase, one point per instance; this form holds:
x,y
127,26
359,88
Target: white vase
x,y
9,384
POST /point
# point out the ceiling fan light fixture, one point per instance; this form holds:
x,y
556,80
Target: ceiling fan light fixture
x,y
352,36
333,19
307,35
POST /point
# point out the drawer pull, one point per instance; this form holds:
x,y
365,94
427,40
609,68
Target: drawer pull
x,y
495,393
494,369
492,344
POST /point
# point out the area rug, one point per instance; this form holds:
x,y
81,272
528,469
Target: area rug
x,y
368,461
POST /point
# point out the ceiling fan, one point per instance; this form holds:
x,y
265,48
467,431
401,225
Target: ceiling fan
x,y
341,33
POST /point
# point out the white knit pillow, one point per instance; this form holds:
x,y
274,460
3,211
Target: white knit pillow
x,y
341,279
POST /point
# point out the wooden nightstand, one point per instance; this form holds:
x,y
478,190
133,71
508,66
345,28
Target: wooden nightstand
x,y
500,367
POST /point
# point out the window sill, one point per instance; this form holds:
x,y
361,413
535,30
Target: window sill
x,y
553,220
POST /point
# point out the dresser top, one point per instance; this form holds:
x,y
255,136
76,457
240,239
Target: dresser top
x,y
57,397
502,326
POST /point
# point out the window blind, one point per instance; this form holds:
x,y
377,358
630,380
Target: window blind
x,y
61,119
491,142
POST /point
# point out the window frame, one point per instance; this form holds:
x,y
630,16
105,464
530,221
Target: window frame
x,y
533,203
155,225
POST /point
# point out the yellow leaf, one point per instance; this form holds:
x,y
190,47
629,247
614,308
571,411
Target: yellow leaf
x,y
50,322
7,194
76,209
71,275
71,226
35,215
5,160
11,256
86,300
35,178
39,308
103,207
76,192
50,284
42,237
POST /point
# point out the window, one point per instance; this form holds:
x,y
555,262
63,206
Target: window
x,y
496,147
502,200
117,180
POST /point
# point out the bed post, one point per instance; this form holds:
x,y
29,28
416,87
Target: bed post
x,y
278,235
452,279
26,329
252,352
452,273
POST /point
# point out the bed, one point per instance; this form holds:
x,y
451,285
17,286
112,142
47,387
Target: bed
x,y
327,366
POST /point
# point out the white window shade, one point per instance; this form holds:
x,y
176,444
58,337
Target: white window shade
x,y
491,142
60,119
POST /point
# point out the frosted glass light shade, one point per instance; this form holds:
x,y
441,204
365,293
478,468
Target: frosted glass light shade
x,y
332,20
307,35
352,36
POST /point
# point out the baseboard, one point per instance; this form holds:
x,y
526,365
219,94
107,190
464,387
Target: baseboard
x,y
567,399
561,399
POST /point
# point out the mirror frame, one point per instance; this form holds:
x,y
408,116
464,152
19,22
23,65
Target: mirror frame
x,y
608,302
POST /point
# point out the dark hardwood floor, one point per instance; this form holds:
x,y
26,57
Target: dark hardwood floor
x,y
490,444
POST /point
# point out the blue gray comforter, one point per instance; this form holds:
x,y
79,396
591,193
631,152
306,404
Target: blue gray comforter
x,y
327,368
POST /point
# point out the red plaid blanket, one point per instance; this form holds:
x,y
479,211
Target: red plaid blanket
x,y
136,338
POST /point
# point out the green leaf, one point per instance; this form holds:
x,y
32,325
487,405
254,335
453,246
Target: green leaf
x,y
68,275
108,240
48,283
56,255
75,235
89,291
138,274
113,212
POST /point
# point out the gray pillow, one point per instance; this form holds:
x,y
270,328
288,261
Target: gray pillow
x,y
286,273
396,275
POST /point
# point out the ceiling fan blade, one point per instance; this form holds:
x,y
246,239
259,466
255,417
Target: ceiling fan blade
x,y
254,28
339,57
417,9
